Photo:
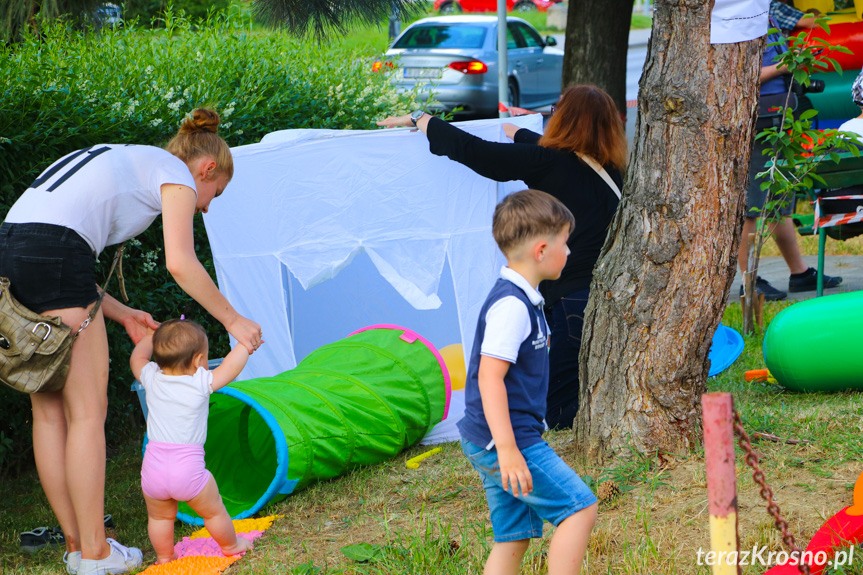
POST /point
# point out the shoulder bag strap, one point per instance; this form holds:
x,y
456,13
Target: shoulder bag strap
x,y
597,167
118,257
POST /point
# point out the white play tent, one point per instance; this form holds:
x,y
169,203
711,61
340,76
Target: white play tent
x,y
322,232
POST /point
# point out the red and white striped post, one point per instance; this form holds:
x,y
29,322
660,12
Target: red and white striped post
x,y
718,409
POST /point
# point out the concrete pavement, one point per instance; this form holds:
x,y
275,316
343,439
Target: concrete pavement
x,y
638,38
774,270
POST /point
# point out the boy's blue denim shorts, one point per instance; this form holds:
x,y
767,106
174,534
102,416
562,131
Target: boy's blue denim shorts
x,y
558,492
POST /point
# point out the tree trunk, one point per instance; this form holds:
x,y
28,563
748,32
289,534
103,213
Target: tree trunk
x,y
597,39
664,274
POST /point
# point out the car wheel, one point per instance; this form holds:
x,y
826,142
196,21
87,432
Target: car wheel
x,y
513,93
450,8
525,7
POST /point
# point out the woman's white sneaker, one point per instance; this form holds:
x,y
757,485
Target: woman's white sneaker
x,y
121,560
72,561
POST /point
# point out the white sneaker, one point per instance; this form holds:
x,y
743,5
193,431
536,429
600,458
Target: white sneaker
x,y
121,560
72,561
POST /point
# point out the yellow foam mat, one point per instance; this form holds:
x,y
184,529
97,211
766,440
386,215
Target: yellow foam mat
x,y
242,526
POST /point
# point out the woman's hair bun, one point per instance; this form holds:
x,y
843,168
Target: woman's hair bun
x,y
201,120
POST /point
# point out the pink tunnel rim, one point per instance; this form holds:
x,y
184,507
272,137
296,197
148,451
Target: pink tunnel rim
x,y
429,345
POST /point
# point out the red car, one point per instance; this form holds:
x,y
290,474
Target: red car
x,y
456,6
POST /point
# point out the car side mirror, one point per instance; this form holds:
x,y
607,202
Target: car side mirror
x,y
550,41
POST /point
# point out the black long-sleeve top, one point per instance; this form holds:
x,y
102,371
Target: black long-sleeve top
x,y
557,172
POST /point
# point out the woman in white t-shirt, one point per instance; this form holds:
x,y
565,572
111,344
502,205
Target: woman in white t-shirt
x,y
49,243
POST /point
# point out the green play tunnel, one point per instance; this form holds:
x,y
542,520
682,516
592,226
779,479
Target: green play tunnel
x,y
814,345
358,401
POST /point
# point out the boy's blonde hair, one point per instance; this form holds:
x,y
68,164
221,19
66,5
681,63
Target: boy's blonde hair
x,y
177,342
528,214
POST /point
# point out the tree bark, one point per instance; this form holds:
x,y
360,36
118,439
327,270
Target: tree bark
x,y
664,274
597,40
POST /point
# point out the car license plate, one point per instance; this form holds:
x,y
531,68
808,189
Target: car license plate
x,y
422,72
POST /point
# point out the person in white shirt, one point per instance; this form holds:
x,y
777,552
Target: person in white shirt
x,y
49,244
178,387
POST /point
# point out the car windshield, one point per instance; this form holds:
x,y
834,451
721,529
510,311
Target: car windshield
x,y
442,36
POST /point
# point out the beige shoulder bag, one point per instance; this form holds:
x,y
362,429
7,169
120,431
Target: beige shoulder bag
x,y
35,349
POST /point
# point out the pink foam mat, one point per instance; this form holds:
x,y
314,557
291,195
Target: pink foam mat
x,y
207,546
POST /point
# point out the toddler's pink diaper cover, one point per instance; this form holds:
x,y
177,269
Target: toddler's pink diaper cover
x,y
173,471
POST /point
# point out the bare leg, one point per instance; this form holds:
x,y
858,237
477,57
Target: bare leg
x,y
505,558
785,237
71,455
49,449
86,401
208,504
569,542
743,252
160,527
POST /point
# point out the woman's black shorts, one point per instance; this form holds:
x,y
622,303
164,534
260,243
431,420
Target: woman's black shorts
x,y
49,266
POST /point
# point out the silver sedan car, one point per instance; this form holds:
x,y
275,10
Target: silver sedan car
x,y
455,57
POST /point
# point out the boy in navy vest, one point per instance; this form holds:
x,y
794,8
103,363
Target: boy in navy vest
x,y
525,481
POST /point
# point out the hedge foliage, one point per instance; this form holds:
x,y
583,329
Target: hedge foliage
x,y
69,89
147,10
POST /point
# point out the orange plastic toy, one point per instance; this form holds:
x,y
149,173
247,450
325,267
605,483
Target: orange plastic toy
x,y
759,375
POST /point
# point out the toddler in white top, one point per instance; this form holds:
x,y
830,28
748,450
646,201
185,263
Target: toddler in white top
x,y
178,387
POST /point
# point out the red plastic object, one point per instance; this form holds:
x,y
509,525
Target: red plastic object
x,y
843,529
850,35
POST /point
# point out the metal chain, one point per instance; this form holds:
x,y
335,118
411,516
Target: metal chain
x,y
767,493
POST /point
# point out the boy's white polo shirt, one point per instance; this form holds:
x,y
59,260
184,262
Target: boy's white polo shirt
x,y
507,322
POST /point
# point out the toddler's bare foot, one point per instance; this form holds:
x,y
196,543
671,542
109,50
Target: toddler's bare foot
x,y
161,560
241,546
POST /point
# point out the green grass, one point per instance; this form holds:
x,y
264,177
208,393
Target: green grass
x,y
434,519
809,244
640,21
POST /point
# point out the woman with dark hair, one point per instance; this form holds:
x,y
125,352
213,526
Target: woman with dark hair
x,y
580,161
49,243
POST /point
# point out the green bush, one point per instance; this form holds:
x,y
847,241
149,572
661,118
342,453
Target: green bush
x,y
68,90
146,10
17,16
